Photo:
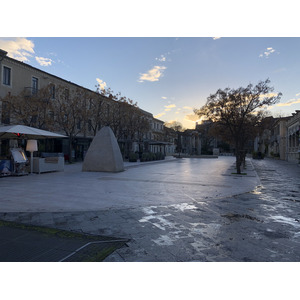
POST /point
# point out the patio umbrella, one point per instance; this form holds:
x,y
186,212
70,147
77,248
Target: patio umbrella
x,y
26,132
29,133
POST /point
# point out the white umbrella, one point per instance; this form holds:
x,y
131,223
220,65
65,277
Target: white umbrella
x,y
26,132
29,133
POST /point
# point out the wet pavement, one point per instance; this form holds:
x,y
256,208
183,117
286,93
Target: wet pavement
x,y
25,243
156,183
192,212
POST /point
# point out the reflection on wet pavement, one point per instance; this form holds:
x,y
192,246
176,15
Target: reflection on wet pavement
x,y
262,225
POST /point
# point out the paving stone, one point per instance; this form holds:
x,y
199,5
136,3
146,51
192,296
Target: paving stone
x,y
257,225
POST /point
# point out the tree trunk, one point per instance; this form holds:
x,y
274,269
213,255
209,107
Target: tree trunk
x,y
70,149
238,159
238,164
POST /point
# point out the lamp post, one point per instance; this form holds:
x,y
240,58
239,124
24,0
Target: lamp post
x,y
31,147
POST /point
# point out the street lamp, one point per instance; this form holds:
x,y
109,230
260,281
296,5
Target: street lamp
x,y
31,147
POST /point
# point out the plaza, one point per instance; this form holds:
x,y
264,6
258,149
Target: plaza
x,y
169,211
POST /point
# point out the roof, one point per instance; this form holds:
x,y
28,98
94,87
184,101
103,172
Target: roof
x,y
39,70
4,54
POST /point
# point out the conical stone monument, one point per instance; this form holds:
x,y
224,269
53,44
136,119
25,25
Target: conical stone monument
x,y
104,153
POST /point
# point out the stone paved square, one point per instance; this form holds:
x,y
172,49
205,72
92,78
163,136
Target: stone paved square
x,y
188,210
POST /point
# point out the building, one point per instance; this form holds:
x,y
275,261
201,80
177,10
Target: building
x,y
266,137
18,78
81,112
278,143
190,142
293,145
280,138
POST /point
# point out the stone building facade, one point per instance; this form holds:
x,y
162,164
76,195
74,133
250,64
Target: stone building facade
x,y
293,137
19,78
281,138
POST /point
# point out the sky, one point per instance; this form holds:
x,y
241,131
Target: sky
x,y
168,76
167,56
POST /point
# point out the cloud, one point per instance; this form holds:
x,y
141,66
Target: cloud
x,y
153,75
161,58
188,107
216,38
164,98
45,62
191,117
170,106
267,52
289,103
18,48
101,83
159,115
268,95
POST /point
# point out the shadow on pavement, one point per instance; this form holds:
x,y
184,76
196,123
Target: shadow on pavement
x,y
25,243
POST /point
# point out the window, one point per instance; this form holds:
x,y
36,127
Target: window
x,y
66,93
51,115
52,91
6,75
35,82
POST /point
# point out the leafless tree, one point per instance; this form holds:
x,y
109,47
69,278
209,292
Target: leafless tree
x,y
70,111
239,111
31,109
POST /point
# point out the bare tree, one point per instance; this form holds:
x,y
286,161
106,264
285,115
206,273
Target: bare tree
x,y
69,109
239,111
31,109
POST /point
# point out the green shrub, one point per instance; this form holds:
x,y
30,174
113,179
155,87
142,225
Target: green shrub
x,y
132,157
145,157
148,156
258,155
159,156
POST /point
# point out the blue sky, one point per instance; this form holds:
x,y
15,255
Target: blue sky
x,y
161,54
168,76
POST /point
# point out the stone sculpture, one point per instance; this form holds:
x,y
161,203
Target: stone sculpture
x,y
104,153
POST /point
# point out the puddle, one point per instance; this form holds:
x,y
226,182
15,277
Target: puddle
x,y
257,190
276,234
158,226
148,210
162,221
291,221
184,206
164,240
198,224
297,235
200,246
